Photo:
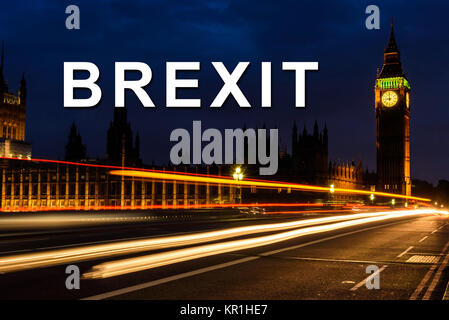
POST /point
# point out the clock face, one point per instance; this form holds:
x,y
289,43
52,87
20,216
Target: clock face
x,y
389,98
407,100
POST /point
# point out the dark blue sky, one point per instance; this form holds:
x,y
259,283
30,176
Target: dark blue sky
x,y
330,32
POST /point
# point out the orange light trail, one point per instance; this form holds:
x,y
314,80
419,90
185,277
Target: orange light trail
x,y
171,206
248,183
194,177
305,211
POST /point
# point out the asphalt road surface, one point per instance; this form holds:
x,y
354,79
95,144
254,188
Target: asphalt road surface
x,y
408,255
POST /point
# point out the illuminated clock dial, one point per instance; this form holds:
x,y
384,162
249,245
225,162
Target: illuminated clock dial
x,y
407,100
389,98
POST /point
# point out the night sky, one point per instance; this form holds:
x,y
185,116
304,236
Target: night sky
x,y
331,32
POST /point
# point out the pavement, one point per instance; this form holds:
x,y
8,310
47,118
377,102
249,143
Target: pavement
x,y
409,258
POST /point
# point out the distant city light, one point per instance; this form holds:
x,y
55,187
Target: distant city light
x,y
238,175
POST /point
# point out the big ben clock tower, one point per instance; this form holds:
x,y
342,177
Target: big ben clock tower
x,y
392,104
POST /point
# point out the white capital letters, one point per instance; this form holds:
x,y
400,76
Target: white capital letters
x,y
173,84
300,72
89,83
230,84
266,84
135,85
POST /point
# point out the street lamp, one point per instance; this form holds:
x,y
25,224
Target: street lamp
x,y
371,197
238,176
393,202
332,190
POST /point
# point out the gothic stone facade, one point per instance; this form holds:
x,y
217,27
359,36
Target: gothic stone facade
x,y
12,118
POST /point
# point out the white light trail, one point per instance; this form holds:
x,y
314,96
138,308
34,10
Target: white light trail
x,y
83,253
124,266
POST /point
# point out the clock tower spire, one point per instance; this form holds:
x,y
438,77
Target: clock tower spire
x,y
392,108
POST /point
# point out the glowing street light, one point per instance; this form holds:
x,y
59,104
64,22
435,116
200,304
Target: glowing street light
x,y
371,197
393,202
331,189
238,176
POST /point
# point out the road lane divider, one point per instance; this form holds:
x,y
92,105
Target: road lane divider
x,y
436,278
421,286
424,238
367,279
404,252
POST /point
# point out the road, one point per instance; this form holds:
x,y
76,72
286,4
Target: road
x,y
411,253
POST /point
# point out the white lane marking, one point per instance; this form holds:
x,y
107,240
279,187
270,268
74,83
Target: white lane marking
x,y
446,292
364,281
404,252
426,278
149,284
436,279
167,279
442,226
330,260
423,239
434,231
423,282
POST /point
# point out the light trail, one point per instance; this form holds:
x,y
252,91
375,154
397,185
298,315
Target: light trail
x,y
66,255
249,183
130,265
305,211
202,178
171,206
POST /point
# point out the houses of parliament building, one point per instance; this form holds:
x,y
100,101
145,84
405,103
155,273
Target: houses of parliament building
x,y
80,184
12,118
